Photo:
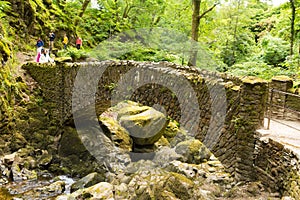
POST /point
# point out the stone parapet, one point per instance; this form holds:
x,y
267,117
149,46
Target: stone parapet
x,y
283,100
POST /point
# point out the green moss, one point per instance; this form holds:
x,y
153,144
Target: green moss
x,y
70,143
5,195
4,50
194,146
282,78
253,80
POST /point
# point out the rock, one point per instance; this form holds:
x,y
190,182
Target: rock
x,y
17,141
142,165
121,191
9,159
287,198
166,195
117,133
145,127
87,181
162,142
16,172
45,158
102,190
57,187
193,151
165,155
29,174
180,186
53,189
127,120
189,170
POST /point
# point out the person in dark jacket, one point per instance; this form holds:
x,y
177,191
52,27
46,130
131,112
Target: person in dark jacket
x,y
39,43
51,40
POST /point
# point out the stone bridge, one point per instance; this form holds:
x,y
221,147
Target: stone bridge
x,y
222,111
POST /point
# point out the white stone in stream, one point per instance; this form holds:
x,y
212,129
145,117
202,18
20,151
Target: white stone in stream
x,y
102,190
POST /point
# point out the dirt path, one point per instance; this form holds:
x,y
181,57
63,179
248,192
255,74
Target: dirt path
x,y
23,58
285,132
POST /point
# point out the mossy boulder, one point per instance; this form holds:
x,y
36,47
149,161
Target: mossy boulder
x,y
193,151
145,128
128,119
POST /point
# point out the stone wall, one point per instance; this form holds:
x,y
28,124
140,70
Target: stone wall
x,y
277,167
283,103
230,109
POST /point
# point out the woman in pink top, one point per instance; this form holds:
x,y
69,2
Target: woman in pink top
x,y
78,42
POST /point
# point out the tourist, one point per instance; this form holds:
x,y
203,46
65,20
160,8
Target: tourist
x,y
65,41
45,57
51,40
78,43
39,44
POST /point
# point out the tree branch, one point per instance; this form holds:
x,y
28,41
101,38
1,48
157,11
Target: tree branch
x,y
207,11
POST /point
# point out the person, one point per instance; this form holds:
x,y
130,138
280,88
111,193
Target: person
x,y
44,57
65,41
38,56
39,44
48,58
78,42
51,40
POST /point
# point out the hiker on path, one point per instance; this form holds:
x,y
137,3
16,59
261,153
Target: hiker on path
x,y
65,41
78,42
51,40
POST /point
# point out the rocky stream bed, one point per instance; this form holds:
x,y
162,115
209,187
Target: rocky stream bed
x,y
141,154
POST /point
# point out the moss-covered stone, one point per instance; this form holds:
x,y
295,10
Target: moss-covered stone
x,y
282,78
253,80
118,134
193,151
71,144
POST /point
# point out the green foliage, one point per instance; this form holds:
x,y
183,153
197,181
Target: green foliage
x,y
4,6
74,53
274,50
237,50
258,69
132,51
143,54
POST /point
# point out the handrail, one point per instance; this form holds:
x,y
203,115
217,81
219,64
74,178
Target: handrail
x,y
288,93
272,90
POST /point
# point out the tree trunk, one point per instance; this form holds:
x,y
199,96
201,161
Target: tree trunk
x,y
195,31
83,8
196,17
292,36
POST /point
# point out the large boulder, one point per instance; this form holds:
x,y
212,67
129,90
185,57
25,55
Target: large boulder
x,y
146,127
128,119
